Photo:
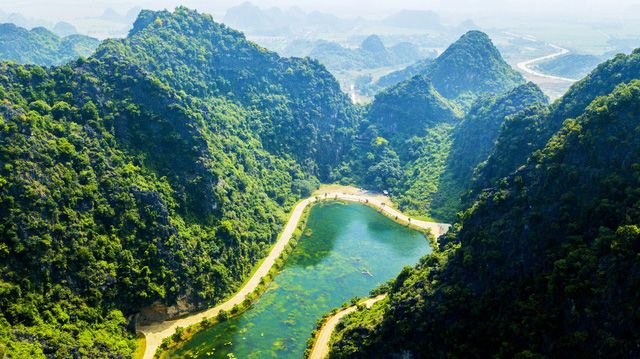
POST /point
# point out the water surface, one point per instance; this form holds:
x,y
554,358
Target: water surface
x,y
348,250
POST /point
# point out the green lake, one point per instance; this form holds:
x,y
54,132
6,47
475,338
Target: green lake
x,y
351,250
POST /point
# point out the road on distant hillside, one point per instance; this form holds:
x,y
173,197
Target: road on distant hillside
x,y
155,333
525,65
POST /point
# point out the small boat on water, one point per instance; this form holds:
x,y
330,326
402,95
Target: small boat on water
x,y
366,272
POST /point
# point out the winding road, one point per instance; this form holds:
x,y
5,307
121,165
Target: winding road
x,y
524,65
156,332
320,348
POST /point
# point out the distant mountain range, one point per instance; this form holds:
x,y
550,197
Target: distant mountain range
x,y
110,24
42,47
274,21
61,28
414,19
372,53
113,16
396,77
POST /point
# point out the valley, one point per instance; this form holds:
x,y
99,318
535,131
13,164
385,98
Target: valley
x,y
287,182
156,332
526,65
553,86
347,251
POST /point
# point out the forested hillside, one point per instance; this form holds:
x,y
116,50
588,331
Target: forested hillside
x,y
40,46
416,120
126,182
397,125
300,110
522,135
158,171
544,264
154,174
409,108
472,66
473,140
432,141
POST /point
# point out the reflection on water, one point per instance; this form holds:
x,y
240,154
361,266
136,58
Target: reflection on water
x,y
351,250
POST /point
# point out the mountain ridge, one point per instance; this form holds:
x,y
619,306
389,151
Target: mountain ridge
x,y
472,64
40,46
144,192
552,247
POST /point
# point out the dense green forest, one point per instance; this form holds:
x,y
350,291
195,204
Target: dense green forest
x,y
159,171
299,108
434,140
531,129
545,262
470,67
473,140
42,47
125,183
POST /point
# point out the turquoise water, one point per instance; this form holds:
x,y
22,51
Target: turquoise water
x,y
351,249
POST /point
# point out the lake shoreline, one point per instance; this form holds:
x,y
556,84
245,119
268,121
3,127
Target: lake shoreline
x,y
156,333
320,347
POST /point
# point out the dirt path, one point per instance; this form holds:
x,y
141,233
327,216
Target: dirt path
x,y
524,65
320,348
155,333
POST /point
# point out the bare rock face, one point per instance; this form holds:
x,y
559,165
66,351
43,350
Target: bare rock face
x,y
159,312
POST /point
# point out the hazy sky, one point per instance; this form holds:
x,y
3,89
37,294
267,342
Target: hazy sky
x,y
572,9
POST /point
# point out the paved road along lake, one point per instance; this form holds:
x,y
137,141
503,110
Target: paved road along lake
x,y
347,250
